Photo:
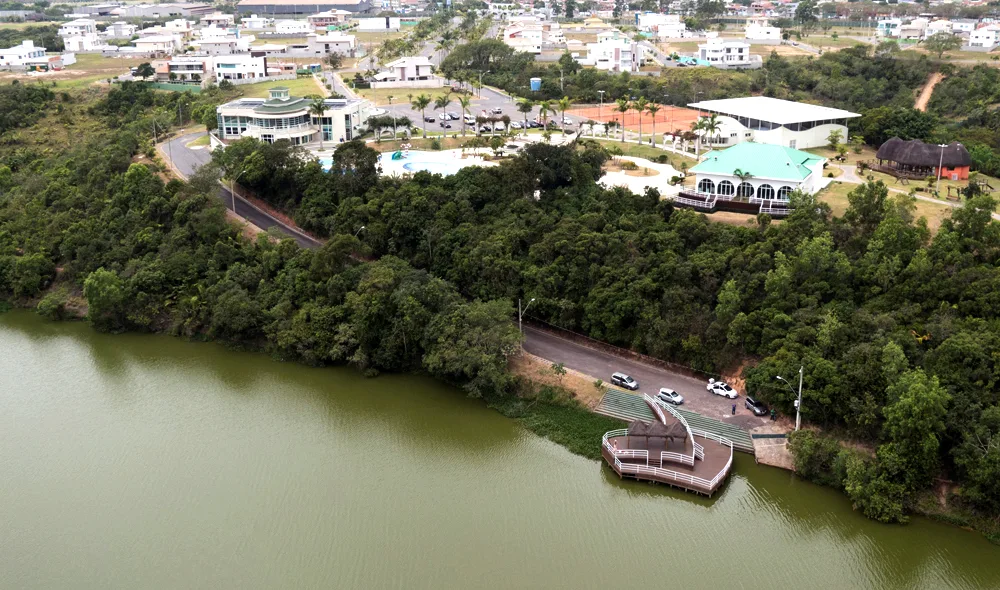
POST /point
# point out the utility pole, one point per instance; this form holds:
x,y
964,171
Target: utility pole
x,y
937,188
600,111
798,401
520,315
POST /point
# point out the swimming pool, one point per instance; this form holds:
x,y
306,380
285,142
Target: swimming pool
x,y
443,168
444,163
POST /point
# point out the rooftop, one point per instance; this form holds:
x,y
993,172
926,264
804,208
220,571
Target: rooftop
x,y
762,160
775,110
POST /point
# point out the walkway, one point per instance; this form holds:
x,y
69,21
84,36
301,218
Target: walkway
x,y
638,184
629,406
927,91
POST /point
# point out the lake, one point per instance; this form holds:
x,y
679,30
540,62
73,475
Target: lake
x,y
140,461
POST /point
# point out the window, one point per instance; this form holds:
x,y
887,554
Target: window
x,y
706,186
726,188
783,192
745,190
765,191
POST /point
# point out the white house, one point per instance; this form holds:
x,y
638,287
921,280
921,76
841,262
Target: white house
x,y
213,32
888,28
755,171
158,44
773,121
80,26
19,55
218,19
407,69
985,37
526,37
914,30
964,26
614,52
184,68
225,45
725,53
322,20
333,42
759,30
181,26
939,26
381,23
238,67
256,23
292,27
119,30
285,117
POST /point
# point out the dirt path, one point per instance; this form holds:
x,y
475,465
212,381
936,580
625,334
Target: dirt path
x,y
927,91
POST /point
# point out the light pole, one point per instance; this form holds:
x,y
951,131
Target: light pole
x,y
600,110
232,188
937,188
520,314
359,230
798,402
481,82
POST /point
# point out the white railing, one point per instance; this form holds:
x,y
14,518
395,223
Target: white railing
x,y
676,458
655,406
694,202
699,451
723,441
658,406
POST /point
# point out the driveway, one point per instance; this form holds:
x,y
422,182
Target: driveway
x,y
600,365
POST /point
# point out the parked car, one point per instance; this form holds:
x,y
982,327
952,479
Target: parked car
x,y
566,121
430,119
670,396
623,380
515,124
722,388
757,407
446,125
497,111
453,116
470,120
534,125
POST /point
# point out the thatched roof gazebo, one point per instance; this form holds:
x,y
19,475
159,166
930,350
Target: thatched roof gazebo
x,y
916,158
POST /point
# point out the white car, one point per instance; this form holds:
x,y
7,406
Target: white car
x,y
670,396
721,388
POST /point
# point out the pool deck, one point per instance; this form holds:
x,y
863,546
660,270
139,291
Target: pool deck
x,y
454,159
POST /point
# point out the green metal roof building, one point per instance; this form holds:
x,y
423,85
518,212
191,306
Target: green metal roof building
x,y
758,171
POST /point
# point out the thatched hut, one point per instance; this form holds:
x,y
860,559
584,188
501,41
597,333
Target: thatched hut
x,y
914,157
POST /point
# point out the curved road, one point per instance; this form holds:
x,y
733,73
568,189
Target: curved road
x,y
186,162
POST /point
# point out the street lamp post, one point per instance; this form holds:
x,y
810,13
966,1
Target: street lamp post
x,y
798,402
600,110
937,188
360,229
232,188
520,314
481,82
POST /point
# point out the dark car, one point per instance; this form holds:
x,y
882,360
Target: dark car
x,y
757,407
446,125
430,119
623,380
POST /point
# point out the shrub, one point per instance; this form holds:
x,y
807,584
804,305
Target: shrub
x,y
816,456
663,159
53,305
435,144
627,165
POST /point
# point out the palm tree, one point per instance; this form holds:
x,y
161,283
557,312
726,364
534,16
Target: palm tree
x,y
711,125
622,106
652,109
544,108
525,106
563,105
442,102
421,103
465,102
317,109
743,177
640,107
697,126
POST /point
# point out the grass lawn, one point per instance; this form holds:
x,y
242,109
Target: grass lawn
x,y
835,195
867,153
283,41
678,46
301,86
650,153
203,140
400,95
19,26
366,37
827,41
90,68
957,55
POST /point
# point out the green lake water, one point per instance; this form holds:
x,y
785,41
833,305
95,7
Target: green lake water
x,y
136,461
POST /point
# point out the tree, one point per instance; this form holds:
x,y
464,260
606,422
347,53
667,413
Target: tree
x,y
544,108
914,423
464,102
711,125
939,43
570,8
805,14
525,106
622,106
834,138
105,293
317,108
640,107
858,143
145,70
742,176
560,370
335,61
420,103
441,103
653,109
563,105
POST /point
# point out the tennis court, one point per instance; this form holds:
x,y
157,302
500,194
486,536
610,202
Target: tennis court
x,y
669,118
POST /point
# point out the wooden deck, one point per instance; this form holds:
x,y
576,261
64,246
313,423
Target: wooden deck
x,y
704,477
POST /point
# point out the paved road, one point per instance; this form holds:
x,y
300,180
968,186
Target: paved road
x,y
187,160
601,365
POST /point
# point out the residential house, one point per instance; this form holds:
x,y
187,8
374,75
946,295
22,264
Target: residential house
x,y
80,35
225,45
329,18
183,68
256,23
759,30
614,52
19,55
985,37
217,19
120,30
407,69
888,28
726,53
333,42
964,26
292,27
666,26
239,67
289,118
157,44
939,26
915,30
382,23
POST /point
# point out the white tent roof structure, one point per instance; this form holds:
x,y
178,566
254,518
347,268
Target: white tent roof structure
x,y
775,110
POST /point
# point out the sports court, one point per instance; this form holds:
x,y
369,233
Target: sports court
x,y
669,118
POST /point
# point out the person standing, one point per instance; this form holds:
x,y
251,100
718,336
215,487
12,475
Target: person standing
x,y
734,409
774,414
